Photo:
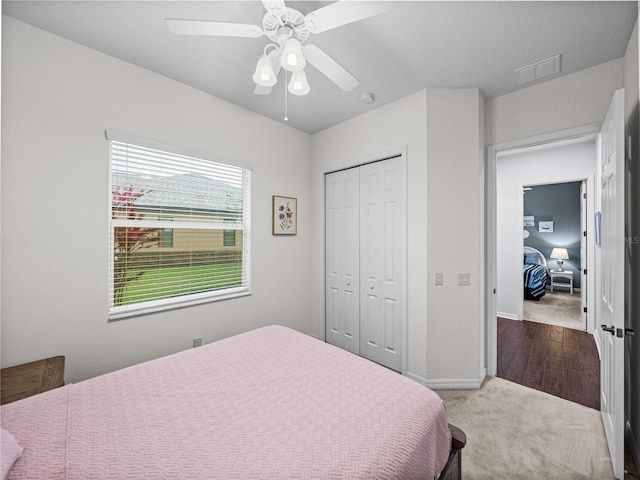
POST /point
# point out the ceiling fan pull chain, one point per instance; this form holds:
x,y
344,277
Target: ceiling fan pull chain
x,y
286,102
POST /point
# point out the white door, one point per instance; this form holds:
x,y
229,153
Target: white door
x,y
611,301
342,230
382,252
583,252
365,228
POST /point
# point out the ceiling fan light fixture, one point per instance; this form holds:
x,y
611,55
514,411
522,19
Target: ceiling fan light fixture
x,y
298,84
264,74
292,58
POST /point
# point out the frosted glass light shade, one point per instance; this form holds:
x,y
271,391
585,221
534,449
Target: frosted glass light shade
x,y
264,74
298,84
292,58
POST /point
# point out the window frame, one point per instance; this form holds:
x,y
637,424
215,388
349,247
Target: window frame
x,y
143,308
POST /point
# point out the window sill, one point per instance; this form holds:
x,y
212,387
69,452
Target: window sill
x,y
128,311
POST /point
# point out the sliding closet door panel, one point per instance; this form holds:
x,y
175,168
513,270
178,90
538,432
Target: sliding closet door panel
x,y
382,252
342,327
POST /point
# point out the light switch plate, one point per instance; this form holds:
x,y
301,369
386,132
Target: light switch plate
x,y
439,278
464,278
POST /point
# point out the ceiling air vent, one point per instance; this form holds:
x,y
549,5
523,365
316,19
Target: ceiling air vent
x,y
538,70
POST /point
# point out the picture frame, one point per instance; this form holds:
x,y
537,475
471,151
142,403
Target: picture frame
x,y
284,215
528,221
545,227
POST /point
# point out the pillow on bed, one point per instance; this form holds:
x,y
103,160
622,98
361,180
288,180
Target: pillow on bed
x,y
532,258
11,451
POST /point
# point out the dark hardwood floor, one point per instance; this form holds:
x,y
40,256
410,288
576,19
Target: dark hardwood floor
x,y
630,467
561,361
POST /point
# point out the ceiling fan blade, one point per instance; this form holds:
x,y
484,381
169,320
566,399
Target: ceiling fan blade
x,y
342,13
274,56
274,6
205,27
330,68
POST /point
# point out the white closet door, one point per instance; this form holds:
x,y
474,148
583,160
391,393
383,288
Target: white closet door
x,y
382,261
342,321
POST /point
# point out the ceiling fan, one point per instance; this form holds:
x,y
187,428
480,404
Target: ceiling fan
x,y
289,29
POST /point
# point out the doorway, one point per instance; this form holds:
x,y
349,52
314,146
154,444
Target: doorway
x,y
609,261
504,231
540,355
554,225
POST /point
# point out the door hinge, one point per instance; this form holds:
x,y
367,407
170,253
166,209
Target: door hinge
x,y
584,234
584,195
494,291
584,271
584,309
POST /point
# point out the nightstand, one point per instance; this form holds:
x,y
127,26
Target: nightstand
x,y
555,274
28,379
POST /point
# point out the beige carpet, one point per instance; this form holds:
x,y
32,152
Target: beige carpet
x,y
514,432
556,308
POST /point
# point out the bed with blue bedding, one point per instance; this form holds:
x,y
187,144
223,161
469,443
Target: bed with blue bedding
x,y
535,272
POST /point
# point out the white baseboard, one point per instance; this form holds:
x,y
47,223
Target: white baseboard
x,y
417,378
508,316
449,383
633,444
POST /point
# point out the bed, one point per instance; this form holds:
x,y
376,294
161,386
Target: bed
x,y
269,403
535,273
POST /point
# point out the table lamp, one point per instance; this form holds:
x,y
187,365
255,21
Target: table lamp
x,y
560,254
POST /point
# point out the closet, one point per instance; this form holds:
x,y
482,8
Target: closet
x,y
365,259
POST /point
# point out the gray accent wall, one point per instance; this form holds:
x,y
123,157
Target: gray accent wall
x,y
559,203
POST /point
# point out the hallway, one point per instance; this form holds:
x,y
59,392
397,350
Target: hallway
x,y
560,361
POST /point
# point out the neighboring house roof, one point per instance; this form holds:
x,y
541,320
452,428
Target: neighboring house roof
x,y
186,191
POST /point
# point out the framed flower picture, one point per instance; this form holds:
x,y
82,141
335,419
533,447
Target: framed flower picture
x,y
284,216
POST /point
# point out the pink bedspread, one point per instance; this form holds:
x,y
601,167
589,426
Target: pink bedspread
x,y
270,403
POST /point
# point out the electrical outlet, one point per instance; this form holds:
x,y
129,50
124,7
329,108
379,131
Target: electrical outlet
x,y
197,342
439,278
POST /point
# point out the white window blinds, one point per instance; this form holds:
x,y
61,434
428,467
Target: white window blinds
x,y
172,215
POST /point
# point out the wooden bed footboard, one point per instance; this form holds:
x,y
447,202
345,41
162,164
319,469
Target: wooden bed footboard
x,y
453,468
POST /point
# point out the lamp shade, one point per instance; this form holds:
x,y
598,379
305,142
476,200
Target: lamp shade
x,y
298,84
292,58
560,254
264,74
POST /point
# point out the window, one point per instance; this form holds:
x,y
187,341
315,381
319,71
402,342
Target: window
x,y
166,235
154,267
229,239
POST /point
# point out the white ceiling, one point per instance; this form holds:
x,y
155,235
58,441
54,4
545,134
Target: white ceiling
x,y
416,44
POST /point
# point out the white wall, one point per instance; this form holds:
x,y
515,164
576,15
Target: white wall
x,y
575,161
57,100
445,326
581,98
455,227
